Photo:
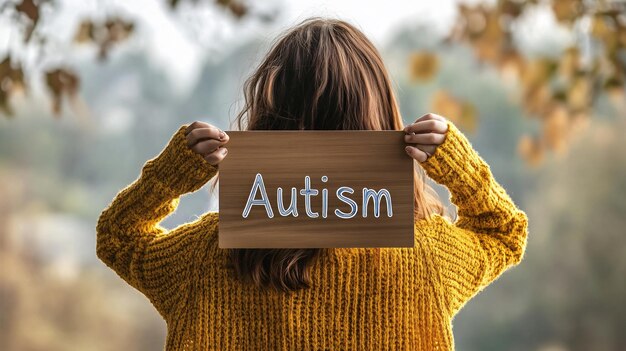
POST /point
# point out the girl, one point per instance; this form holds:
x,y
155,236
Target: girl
x,y
321,74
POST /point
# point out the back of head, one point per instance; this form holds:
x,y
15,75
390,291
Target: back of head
x,y
322,74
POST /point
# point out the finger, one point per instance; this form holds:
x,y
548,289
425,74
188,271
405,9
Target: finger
x,y
425,138
429,149
217,156
427,126
431,116
416,153
207,146
196,124
200,134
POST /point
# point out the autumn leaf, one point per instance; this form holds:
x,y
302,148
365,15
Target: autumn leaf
x,y
566,11
512,8
30,10
555,130
535,84
61,82
85,32
538,72
511,65
483,30
237,8
537,99
118,29
423,66
531,150
493,31
105,35
579,94
458,111
569,64
11,82
600,28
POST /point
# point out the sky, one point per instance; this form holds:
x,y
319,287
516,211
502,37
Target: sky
x,y
217,33
377,19
180,42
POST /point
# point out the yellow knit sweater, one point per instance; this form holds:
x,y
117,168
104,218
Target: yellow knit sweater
x,y
402,299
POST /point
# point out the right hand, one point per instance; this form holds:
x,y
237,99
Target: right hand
x,y
207,141
427,133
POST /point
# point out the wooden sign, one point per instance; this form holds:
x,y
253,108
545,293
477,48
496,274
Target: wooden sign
x,y
316,189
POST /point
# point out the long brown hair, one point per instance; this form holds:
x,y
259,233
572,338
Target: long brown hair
x,y
322,74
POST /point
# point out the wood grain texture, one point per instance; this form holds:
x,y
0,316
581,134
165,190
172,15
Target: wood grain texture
x,y
357,159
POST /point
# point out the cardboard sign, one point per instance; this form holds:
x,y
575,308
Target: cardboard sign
x,y
316,189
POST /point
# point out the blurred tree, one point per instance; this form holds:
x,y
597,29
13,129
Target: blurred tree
x,y
26,15
560,91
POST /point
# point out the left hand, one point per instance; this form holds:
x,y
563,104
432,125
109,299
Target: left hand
x,y
207,141
427,133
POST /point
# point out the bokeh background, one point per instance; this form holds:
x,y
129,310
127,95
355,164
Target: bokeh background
x,y
91,89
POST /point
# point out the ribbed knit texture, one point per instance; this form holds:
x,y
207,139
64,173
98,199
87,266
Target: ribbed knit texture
x,y
402,299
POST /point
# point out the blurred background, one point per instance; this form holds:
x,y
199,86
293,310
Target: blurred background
x,y
91,89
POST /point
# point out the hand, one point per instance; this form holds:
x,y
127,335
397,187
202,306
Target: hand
x,y
427,133
208,141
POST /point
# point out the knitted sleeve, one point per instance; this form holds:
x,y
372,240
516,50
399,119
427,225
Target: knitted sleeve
x,y
129,238
489,234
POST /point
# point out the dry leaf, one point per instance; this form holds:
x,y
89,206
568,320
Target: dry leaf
x,y
511,66
238,9
579,94
537,72
458,111
555,131
512,8
11,82
112,31
85,32
423,66
537,99
566,11
61,82
31,11
531,150
569,64
600,28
